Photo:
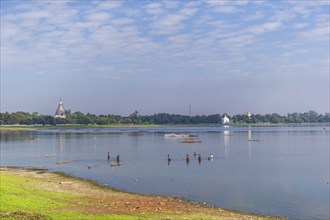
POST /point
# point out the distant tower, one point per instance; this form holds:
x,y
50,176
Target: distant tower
x,y
249,114
225,120
189,109
60,112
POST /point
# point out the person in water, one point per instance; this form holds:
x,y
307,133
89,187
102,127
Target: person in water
x,y
108,156
195,154
118,160
199,157
168,158
211,156
187,159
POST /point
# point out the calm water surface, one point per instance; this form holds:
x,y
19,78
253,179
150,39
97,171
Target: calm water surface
x,y
266,170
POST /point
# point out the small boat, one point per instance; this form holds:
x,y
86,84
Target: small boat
x,y
116,164
65,162
173,135
190,140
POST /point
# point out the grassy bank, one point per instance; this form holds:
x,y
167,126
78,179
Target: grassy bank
x,y
68,126
281,124
36,194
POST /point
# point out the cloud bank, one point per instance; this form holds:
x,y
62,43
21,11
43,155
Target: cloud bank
x,y
219,56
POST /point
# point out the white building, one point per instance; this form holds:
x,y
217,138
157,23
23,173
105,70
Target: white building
x,y
60,112
249,114
225,120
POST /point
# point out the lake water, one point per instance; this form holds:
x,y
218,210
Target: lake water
x,y
280,171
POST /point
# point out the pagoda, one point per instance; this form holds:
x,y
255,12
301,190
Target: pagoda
x,y
60,112
249,114
225,120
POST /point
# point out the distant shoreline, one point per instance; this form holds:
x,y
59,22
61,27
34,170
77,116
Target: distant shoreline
x,y
78,126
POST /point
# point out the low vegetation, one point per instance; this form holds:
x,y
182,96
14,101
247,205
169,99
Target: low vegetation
x,y
79,118
38,195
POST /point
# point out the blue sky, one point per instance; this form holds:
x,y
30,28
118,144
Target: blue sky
x,y
114,57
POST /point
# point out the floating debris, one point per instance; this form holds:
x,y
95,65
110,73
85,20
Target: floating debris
x,y
47,156
65,162
116,164
190,140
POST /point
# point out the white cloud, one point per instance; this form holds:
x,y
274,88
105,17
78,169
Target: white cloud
x,y
172,23
164,40
8,31
254,16
227,6
130,12
225,9
107,5
319,33
283,15
295,52
302,10
194,36
155,9
322,20
242,2
99,16
122,21
35,15
171,3
266,27
301,25
239,40
188,11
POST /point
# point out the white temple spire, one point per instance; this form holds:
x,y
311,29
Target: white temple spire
x,y
225,120
60,112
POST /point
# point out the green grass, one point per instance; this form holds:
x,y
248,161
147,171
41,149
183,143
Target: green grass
x,y
68,126
279,124
20,199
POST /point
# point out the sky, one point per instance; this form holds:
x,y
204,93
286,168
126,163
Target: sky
x,y
115,57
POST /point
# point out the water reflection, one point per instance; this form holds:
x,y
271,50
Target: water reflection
x,y
187,162
226,142
249,140
60,146
94,142
199,159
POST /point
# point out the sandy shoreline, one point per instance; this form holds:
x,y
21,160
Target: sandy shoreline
x,y
88,198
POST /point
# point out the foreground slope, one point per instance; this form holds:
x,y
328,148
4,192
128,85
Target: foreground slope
x,y
33,194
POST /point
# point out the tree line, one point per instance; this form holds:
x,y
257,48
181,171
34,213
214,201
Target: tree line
x,y
25,118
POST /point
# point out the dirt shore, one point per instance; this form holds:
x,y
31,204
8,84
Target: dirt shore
x,y
91,199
